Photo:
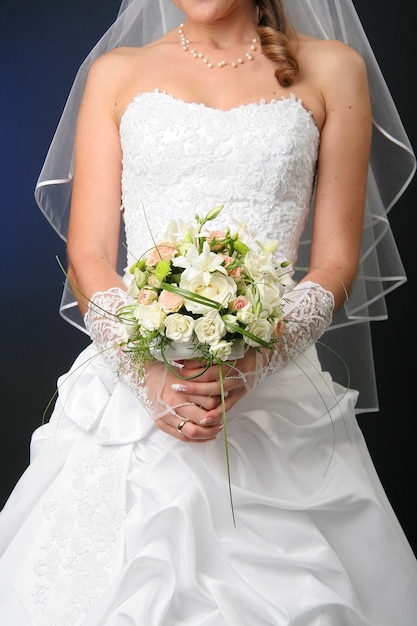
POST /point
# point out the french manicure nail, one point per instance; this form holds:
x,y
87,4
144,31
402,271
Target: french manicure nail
x,y
179,387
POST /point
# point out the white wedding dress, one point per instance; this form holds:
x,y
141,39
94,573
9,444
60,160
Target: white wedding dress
x,y
116,523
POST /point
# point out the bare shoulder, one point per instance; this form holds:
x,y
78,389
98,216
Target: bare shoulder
x,y
125,58
123,72
121,62
328,49
331,62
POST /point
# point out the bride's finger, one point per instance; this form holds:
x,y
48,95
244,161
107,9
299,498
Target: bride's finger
x,y
196,370
188,430
197,387
195,409
207,403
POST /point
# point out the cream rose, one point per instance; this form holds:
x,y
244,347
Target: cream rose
x,y
261,328
179,327
245,316
221,349
150,317
271,296
170,302
210,328
220,288
262,265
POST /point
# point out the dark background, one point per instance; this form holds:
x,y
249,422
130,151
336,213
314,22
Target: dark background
x,y
42,44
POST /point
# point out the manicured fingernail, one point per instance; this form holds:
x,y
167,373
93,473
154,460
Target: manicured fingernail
x,y
179,387
221,426
204,421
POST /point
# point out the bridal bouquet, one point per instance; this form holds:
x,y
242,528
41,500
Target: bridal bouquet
x,y
204,294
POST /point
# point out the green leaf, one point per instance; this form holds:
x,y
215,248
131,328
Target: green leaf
x,y
246,333
226,443
190,295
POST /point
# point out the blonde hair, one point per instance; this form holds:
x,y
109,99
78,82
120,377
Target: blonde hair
x,y
276,34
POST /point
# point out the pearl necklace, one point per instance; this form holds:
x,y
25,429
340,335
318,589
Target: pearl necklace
x,y
185,43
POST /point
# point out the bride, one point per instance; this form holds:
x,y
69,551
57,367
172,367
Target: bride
x,y
121,518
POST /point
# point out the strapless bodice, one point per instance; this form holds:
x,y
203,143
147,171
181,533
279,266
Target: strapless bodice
x,y
182,159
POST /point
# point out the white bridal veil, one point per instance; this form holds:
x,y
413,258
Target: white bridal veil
x,y
392,166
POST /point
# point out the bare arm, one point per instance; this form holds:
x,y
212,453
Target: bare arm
x,y
342,172
94,225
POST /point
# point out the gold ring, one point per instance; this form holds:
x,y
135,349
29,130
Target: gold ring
x,y
181,425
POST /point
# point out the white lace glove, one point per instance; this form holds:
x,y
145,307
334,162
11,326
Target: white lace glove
x,y
308,313
105,330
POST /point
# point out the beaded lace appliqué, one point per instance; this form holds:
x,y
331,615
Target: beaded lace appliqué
x,y
83,525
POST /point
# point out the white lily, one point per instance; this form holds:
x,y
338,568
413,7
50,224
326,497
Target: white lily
x,y
196,264
181,232
268,246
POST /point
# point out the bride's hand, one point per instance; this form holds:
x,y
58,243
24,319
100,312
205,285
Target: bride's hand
x,y
238,378
184,405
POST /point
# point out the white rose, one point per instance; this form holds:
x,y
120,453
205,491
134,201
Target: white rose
x,y
220,288
179,327
126,331
150,317
270,295
262,265
258,264
229,319
210,328
261,328
221,349
245,316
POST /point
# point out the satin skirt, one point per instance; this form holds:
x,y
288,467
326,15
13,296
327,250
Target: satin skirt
x,y
116,523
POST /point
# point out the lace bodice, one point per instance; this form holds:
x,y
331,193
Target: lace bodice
x,y
180,159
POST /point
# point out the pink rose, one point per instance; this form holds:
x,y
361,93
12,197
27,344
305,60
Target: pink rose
x,y
161,252
170,302
235,273
227,260
216,234
239,303
146,296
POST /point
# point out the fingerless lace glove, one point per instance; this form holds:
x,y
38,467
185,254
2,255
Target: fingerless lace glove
x,y
308,312
105,330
